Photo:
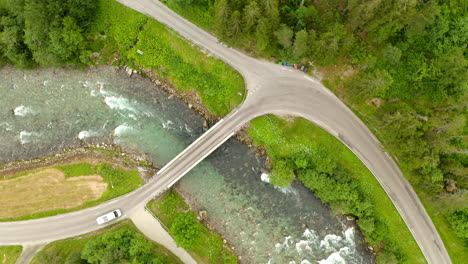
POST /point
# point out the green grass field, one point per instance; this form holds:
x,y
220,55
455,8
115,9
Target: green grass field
x,y
62,250
9,254
119,182
209,247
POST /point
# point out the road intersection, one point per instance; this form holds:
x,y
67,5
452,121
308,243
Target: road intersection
x,y
271,89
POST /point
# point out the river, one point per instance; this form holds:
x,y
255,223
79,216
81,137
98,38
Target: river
x,y
43,111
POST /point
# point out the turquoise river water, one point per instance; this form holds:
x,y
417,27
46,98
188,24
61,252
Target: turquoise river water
x,y
42,111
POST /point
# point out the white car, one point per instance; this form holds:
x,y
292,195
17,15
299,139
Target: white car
x,y
108,217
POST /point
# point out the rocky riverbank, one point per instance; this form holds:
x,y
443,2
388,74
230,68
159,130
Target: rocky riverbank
x,y
91,153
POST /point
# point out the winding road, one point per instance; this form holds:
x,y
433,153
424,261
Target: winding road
x,y
271,89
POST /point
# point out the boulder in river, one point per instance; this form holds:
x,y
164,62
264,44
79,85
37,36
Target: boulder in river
x,y
203,215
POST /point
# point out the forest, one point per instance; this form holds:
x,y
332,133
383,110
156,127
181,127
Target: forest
x,y
44,33
400,65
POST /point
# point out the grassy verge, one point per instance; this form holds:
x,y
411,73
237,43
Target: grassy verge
x,y
200,15
9,254
208,246
145,42
312,152
71,250
119,181
456,247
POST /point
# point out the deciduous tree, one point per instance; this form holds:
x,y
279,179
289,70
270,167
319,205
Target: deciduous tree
x,y
284,36
185,230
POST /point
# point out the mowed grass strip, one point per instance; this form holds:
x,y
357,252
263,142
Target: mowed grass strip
x,y
61,189
9,254
47,190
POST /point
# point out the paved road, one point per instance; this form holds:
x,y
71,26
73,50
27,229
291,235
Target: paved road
x,y
29,250
271,89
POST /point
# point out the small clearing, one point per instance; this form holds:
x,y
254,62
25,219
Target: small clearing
x,y
47,190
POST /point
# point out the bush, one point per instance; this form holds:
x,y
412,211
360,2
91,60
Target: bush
x,y
75,258
283,173
185,230
459,222
122,246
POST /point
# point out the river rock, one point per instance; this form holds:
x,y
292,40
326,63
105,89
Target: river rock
x,y
129,71
203,215
268,162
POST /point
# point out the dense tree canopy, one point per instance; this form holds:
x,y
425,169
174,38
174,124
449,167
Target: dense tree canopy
x,y
48,33
459,222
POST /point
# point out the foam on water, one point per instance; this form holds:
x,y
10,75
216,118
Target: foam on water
x,y
168,124
87,134
278,247
302,246
332,249
6,125
104,92
23,110
310,234
132,116
265,177
27,137
330,242
334,258
94,93
123,129
287,190
187,128
119,103
349,234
